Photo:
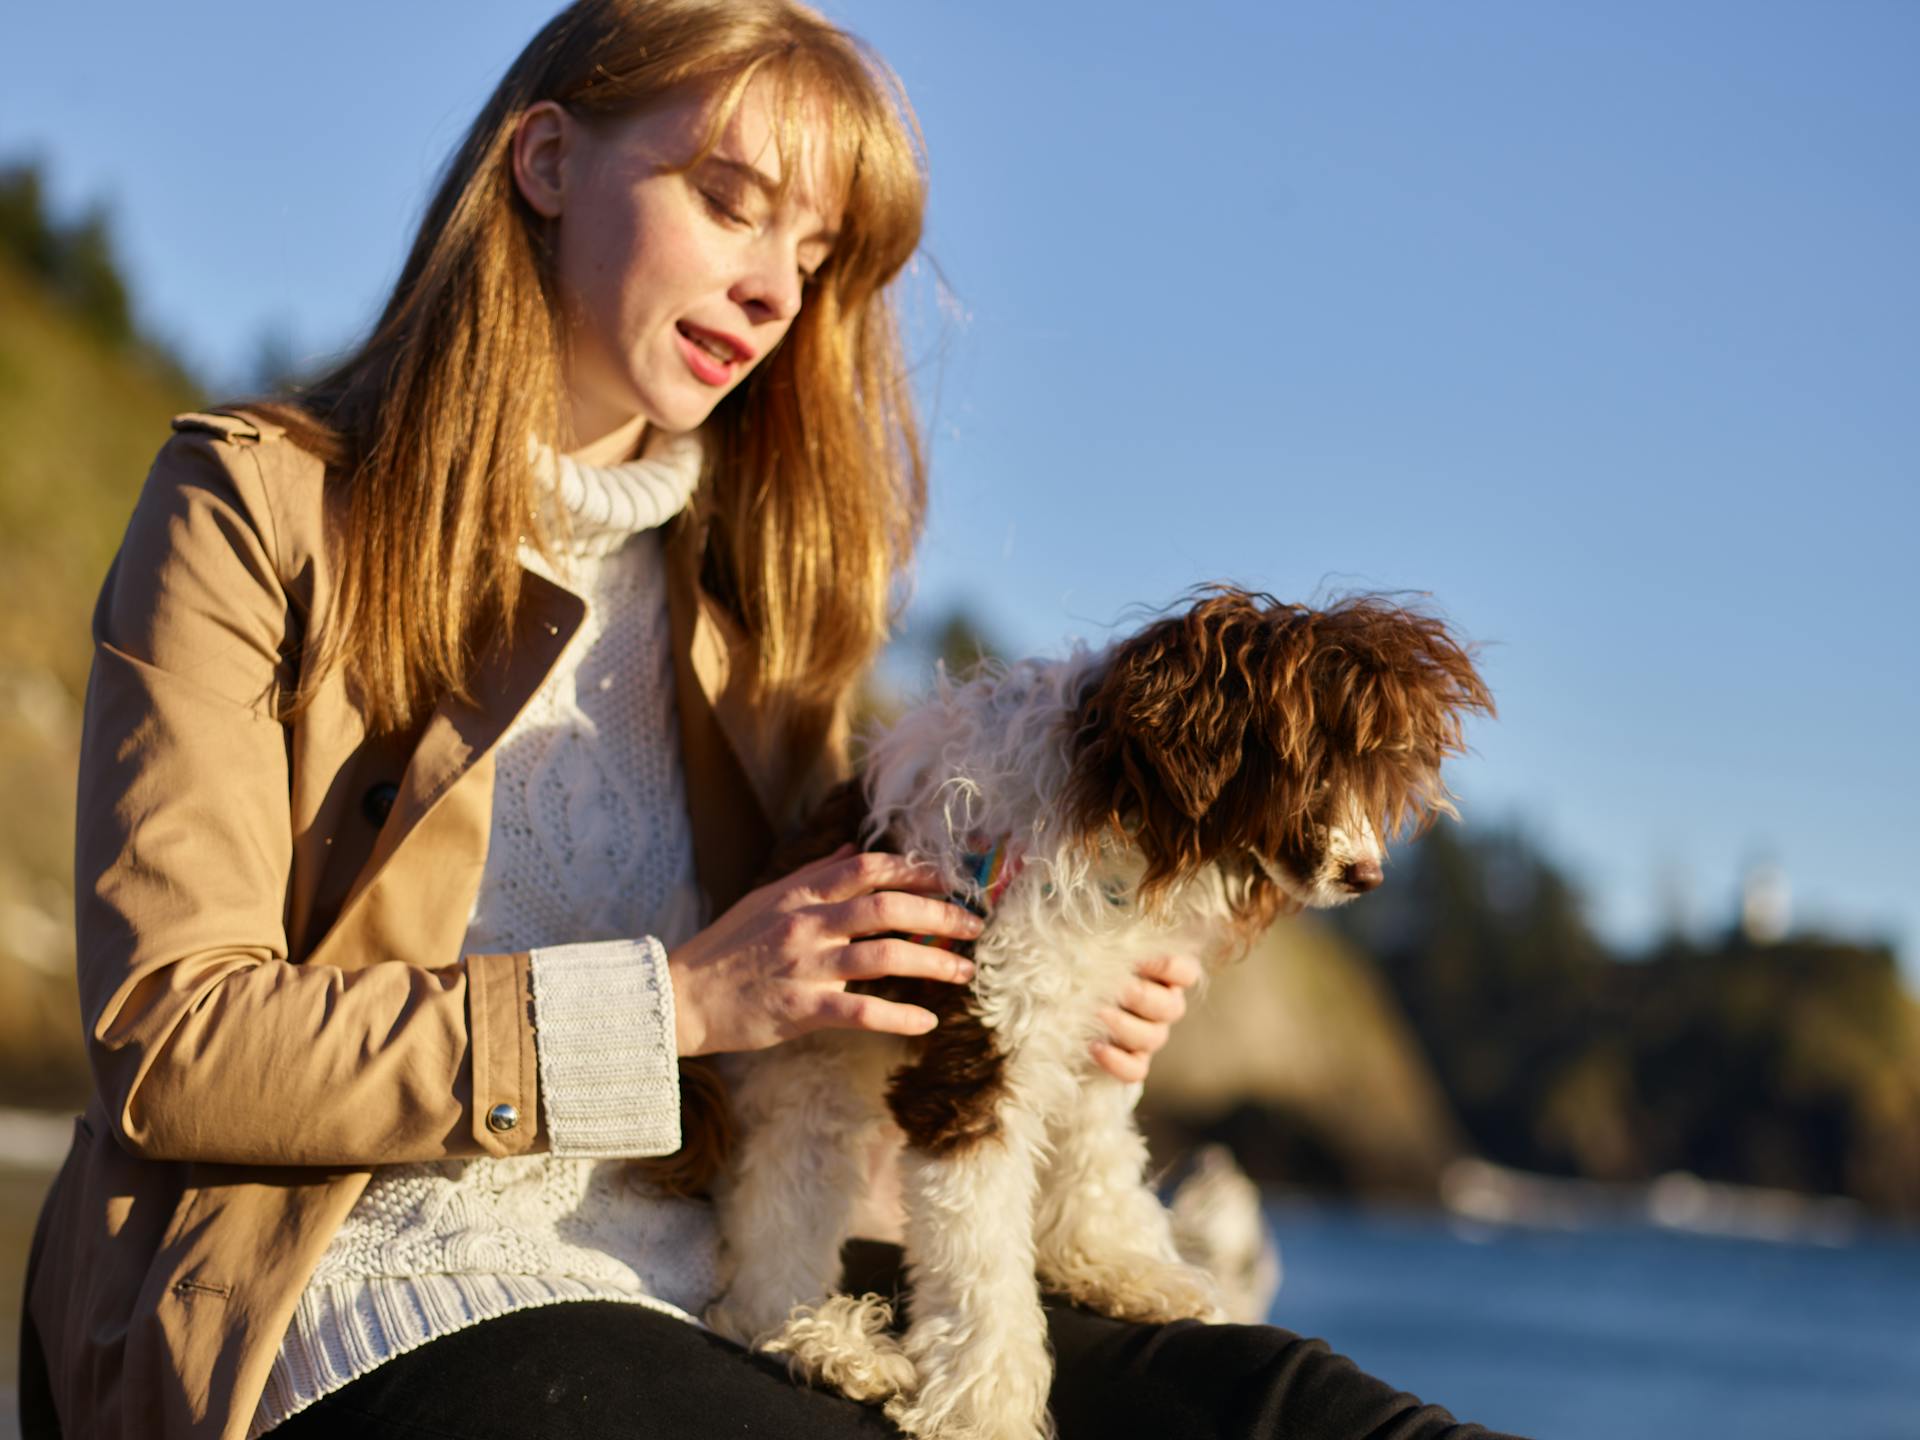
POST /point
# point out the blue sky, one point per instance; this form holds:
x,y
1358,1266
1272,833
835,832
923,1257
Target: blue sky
x,y
1600,324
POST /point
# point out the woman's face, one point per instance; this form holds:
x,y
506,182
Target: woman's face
x,y
675,284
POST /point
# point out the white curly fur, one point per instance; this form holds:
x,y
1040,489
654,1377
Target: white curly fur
x,y
1059,1192
844,1342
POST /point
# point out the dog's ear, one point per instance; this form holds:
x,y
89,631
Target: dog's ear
x,y
1162,731
1224,728
1370,697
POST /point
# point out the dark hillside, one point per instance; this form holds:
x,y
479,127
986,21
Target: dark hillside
x,y
83,407
1791,1063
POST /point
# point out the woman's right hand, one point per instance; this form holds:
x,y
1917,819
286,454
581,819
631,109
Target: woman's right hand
x,y
777,964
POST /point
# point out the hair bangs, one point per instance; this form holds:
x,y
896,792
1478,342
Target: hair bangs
x,y
815,489
842,126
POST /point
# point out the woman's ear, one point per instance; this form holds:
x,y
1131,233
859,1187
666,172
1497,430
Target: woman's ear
x,y
540,147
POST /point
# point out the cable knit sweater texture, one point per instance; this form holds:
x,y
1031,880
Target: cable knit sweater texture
x,y
590,868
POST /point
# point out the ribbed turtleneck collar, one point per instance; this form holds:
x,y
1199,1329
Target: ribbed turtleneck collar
x,y
609,503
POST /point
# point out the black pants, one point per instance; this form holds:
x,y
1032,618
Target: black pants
x,y
594,1370
597,1370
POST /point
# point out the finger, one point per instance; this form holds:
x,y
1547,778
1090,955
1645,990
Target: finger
x,y
870,959
861,874
1180,970
1119,1064
1130,1032
1151,1000
844,1010
886,910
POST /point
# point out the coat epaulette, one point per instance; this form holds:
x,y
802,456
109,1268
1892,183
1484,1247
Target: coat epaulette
x,y
227,427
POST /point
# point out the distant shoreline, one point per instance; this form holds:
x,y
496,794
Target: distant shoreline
x,y
35,1139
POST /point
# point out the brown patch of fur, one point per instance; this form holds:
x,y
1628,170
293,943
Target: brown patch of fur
x,y
943,1100
1230,730
947,1098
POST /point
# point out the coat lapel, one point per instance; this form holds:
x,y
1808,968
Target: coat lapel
x,y
458,734
739,778
733,796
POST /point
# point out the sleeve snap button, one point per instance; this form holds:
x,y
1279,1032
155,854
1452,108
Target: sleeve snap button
x,y
502,1118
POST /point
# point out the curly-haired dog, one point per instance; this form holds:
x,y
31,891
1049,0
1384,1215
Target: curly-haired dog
x,y
1174,791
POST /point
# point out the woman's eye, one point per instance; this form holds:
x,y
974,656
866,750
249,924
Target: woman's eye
x,y
721,208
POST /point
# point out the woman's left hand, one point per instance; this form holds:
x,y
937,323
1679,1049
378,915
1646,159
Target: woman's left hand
x,y
1140,1024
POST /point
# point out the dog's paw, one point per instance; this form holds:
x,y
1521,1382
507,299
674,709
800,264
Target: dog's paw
x,y
926,1421
1141,1289
964,1395
844,1343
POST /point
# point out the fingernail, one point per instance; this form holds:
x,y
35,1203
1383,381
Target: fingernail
x,y
966,970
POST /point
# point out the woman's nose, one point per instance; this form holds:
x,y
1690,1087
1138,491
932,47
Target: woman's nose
x,y
772,288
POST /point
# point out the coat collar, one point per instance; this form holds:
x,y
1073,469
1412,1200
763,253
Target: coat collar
x,y
741,771
457,733
738,788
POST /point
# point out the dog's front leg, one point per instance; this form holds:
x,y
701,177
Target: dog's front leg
x,y
978,1338
1104,1237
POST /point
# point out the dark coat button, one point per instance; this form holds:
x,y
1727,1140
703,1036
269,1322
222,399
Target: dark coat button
x,y
377,803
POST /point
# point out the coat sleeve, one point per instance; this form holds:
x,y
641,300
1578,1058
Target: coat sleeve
x,y
206,1042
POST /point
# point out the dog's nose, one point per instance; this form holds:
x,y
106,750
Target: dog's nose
x,y
1361,876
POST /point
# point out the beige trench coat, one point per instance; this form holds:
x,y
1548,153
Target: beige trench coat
x,y
269,929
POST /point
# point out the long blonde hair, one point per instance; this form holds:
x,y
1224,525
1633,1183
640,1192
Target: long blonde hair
x,y
814,488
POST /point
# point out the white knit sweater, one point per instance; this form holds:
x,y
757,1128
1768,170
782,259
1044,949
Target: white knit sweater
x,y
590,868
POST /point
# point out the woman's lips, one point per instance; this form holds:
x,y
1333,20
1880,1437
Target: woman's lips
x,y
714,358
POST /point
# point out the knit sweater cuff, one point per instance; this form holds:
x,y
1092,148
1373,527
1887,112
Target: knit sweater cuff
x,y
603,1028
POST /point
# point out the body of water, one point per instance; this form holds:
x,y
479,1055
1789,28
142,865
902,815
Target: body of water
x,y
1620,1333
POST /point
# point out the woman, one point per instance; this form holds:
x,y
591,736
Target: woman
x,y
432,717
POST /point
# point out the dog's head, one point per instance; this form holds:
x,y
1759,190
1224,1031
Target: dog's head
x,y
1285,744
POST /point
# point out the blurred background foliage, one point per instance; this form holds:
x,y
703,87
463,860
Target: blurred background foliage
x,y
1468,1009
84,402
